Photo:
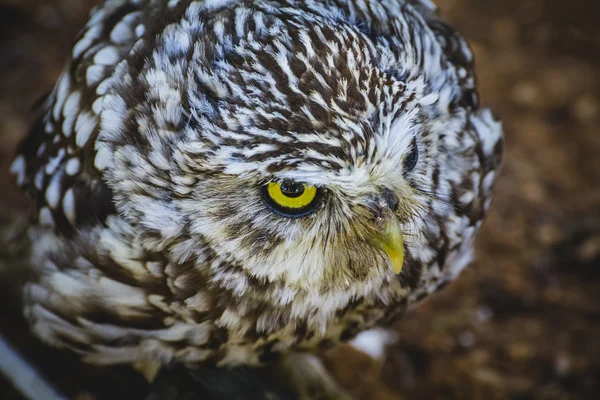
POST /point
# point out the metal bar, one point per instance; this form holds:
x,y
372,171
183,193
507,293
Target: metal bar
x,y
23,376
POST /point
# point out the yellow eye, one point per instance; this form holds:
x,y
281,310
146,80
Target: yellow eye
x,y
290,199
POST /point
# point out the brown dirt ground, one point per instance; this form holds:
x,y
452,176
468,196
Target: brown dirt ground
x,y
523,322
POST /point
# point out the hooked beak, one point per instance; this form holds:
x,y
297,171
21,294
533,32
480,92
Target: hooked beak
x,y
389,239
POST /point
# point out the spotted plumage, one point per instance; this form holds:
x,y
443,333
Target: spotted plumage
x,y
152,239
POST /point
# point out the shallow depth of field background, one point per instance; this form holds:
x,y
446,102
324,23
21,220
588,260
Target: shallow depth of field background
x,y
523,322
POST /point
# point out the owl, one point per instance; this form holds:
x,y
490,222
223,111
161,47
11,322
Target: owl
x,y
223,182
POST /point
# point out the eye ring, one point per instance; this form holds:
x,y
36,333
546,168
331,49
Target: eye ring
x,y
291,199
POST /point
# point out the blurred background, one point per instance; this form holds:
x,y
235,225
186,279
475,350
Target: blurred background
x,y
523,322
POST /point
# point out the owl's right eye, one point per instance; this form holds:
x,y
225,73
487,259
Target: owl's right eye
x,y
291,199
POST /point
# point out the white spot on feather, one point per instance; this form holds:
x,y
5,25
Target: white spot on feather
x,y
72,166
173,3
466,198
38,180
70,285
112,116
97,105
53,192
103,86
84,127
62,92
121,33
213,4
94,74
488,181
41,149
107,56
18,169
139,30
488,129
103,158
53,163
70,111
68,204
128,300
86,41
46,218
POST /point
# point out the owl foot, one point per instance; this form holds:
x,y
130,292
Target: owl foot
x,y
148,369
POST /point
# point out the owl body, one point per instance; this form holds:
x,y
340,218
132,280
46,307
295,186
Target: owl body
x,y
170,164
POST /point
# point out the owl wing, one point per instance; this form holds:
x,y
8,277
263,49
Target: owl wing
x,y
55,163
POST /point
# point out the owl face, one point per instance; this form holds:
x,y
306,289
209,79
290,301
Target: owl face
x,y
306,161
301,151
308,227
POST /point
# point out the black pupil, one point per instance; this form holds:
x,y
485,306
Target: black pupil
x,y
292,189
410,162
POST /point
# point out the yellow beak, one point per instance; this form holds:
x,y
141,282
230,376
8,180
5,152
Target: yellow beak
x,y
390,241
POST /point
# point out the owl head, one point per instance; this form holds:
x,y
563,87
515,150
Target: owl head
x,y
306,144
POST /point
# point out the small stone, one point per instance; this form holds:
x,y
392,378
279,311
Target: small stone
x,y
563,364
590,249
586,109
559,87
466,339
480,357
525,94
534,192
550,234
483,314
489,377
520,351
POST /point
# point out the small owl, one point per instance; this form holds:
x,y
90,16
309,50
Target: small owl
x,y
221,182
